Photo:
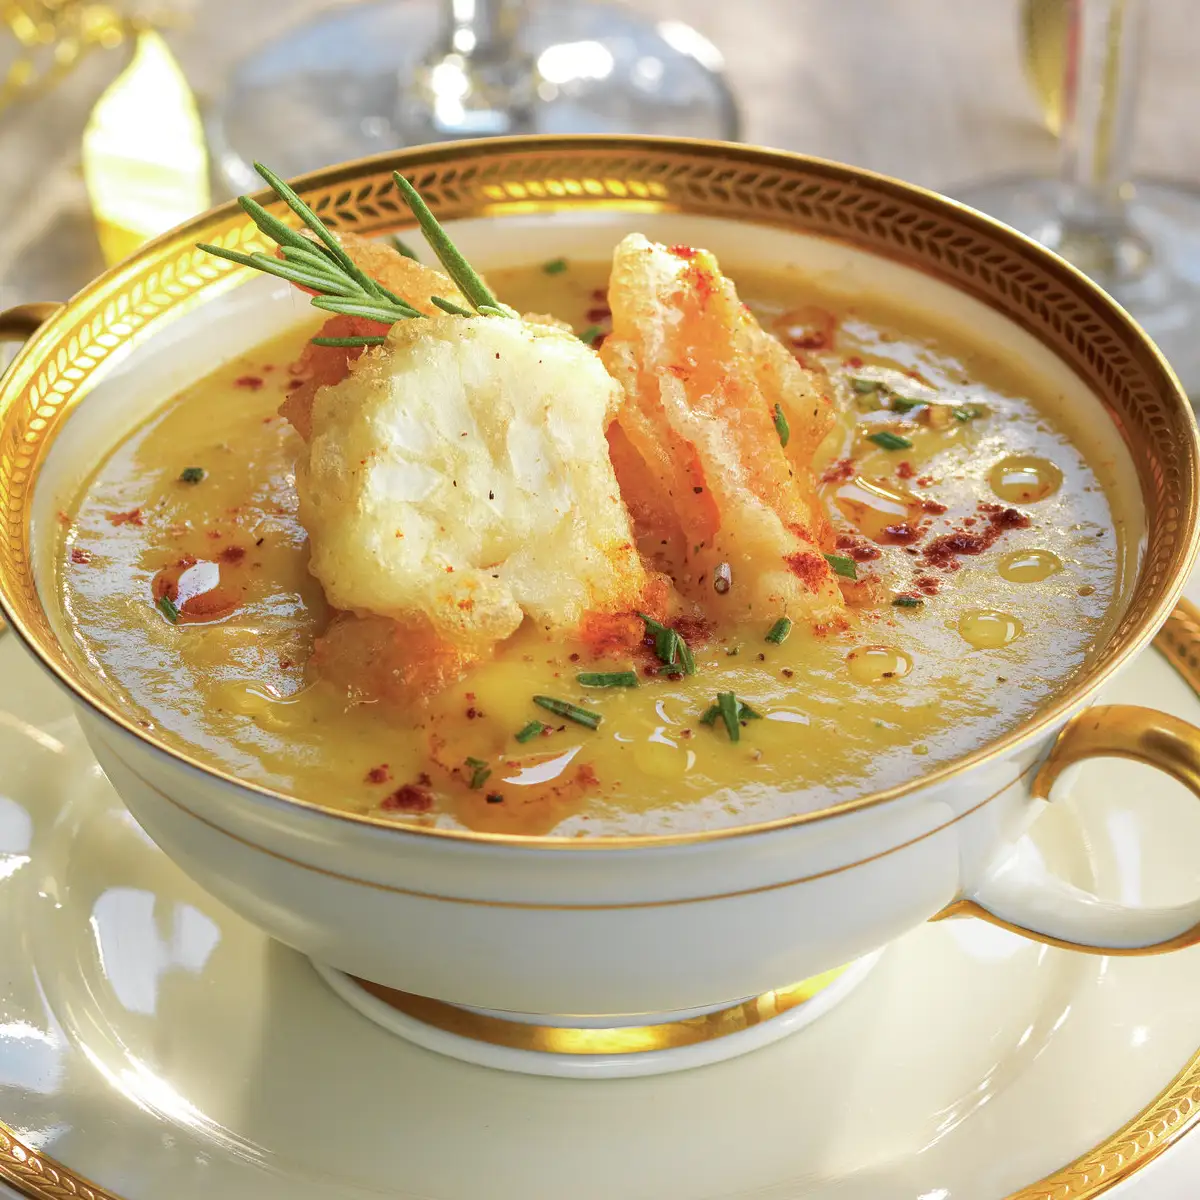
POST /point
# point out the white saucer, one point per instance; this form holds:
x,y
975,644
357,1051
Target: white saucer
x,y
154,1043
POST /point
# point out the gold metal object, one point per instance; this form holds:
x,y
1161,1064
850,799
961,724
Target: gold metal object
x,y
54,35
1048,297
619,1039
500,176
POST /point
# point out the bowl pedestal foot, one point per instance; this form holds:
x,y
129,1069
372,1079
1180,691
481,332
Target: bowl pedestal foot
x,y
605,1047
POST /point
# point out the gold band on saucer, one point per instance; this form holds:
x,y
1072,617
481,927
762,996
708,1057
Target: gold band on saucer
x,y
619,1039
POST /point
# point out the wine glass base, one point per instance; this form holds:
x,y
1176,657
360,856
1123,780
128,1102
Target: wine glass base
x,y
334,88
1155,277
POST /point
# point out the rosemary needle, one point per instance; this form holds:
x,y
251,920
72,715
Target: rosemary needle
x,y
457,267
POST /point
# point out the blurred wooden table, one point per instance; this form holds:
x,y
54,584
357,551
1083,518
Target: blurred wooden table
x,y
930,90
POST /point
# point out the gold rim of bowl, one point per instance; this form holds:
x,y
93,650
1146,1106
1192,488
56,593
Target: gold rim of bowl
x,y
507,176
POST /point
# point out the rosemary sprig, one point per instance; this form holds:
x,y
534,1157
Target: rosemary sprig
x,y
316,260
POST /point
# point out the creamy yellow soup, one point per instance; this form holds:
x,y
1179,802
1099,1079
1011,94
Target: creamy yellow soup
x,y
991,555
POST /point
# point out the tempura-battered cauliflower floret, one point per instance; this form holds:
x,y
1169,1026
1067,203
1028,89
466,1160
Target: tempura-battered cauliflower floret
x,y
698,455
461,473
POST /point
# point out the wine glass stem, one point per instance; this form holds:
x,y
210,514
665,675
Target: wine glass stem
x,y
1099,94
482,28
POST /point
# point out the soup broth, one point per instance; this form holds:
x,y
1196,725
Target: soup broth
x,y
997,552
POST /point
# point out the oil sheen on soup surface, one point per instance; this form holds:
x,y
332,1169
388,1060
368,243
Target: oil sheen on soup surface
x,y
984,536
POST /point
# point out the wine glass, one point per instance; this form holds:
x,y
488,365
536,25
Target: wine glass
x,y
372,77
1140,240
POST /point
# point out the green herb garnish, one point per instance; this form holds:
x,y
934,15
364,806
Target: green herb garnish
x,y
907,602
902,404
669,646
607,679
779,631
732,712
321,264
528,732
457,267
556,266
889,440
561,708
865,386
192,474
781,426
479,772
590,334
360,340
168,608
845,567
727,706
967,412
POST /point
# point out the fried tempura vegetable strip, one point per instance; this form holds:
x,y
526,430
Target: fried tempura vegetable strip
x,y
699,456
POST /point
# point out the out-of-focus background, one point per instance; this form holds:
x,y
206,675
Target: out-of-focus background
x,y
935,91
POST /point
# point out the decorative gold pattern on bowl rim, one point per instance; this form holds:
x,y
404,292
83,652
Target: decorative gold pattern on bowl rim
x,y
1172,1113
504,176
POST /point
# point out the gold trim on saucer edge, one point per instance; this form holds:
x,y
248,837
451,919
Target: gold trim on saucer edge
x,y
1173,1112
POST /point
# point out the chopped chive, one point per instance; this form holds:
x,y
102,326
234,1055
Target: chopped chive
x,y
192,474
864,386
710,715
479,772
448,306
358,340
168,608
746,713
556,266
781,426
842,566
967,412
607,679
685,656
590,334
903,404
779,631
722,578
528,732
561,708
889,440
457,267
403,247
669,646
727,706
907,602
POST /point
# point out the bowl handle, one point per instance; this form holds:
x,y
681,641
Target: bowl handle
x,y
1022,895
22,320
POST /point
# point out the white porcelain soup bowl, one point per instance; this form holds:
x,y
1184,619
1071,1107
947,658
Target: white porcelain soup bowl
x,y
635,925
